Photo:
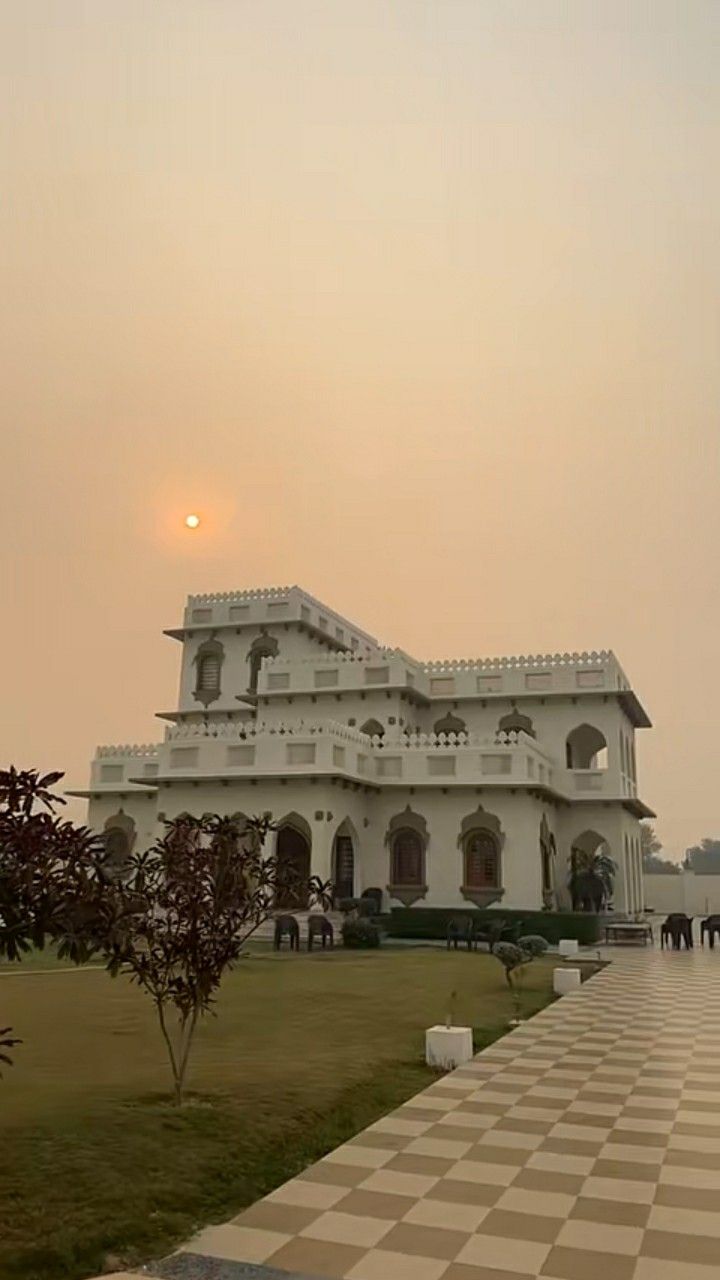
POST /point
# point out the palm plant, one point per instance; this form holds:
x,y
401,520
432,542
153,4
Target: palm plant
x,y
591,879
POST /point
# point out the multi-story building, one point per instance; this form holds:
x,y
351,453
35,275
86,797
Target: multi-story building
x,y
442,783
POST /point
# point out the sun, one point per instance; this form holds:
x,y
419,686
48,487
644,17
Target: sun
x,y
192,521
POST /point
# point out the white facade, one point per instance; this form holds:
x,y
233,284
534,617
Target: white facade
x,y
441,783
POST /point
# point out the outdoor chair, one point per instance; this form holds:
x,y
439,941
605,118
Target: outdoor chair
x,y
676,930
709,927
286,927
459,931
320,926
490,932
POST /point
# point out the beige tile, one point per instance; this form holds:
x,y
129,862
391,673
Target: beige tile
x,y
347,1228
696,1222
382,1264
551,1204
447,1215
394,1124
460,1271
604,1237
519,1141
317,1258
364,1157
307,1195
390,1182
555,1162
237,1244
657,1269
525,1256
478,1171
620,1189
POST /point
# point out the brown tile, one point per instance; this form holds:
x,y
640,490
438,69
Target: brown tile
x,y
702,1128
267,1215
677,1247
631,1171
508,1125
435,1165
618,1212
335,1175
316,1257
588,1118
426,1242
687,1198
646,1113
636,1138
542,1180
521,1226
693,1159
375,1204
581,1264
453,1192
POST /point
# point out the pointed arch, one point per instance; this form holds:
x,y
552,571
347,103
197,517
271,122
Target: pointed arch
x,y
208,668
264,646
344,860
407,838
481,842
293,854
586,748
119,834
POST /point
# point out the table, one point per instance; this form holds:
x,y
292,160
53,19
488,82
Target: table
x,y
629,933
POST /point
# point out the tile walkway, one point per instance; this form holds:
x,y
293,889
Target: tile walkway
x,y
585,1145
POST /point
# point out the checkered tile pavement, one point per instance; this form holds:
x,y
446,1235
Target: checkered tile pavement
x,y
585,1145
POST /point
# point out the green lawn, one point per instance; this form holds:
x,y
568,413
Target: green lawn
x,y
95,1166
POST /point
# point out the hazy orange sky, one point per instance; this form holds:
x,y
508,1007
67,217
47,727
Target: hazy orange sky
x,y
416,301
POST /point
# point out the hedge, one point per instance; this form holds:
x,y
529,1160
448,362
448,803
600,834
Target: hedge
x,y
432,922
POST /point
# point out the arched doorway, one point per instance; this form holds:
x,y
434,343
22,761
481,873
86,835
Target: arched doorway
x,y
293,859
343,863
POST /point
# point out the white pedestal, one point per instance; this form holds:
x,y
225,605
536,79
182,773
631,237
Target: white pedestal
x,y
565,980
448,1047
568,946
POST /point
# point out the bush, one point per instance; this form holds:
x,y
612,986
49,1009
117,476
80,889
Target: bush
x,y
360,934
432,922
362,906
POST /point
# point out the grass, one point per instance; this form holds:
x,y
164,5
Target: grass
x,y
98,1170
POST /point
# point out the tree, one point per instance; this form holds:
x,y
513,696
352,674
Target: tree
x,y
591,879
651,847
184,912
704,858
49,881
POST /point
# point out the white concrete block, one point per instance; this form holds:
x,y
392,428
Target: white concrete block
x,y
568,946
448,1047
565,980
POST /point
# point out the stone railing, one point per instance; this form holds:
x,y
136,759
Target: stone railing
x,y
128,749
541,660
249,732
240,597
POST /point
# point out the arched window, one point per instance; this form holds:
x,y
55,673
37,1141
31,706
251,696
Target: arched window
x,y
265,646
406,860
482,861
450,724
208,665
209,673
373,728
586,748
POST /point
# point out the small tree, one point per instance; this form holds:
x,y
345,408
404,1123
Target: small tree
x,y
182,916
651,848
50,886
515,957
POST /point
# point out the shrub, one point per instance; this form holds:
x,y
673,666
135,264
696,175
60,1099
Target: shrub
x,y
432,922
360,934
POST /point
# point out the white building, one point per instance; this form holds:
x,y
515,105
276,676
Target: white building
x,y
441,783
